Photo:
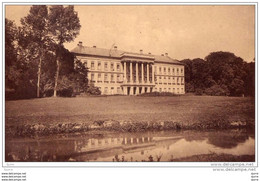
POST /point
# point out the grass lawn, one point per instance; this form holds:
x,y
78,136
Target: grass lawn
x,y
186,110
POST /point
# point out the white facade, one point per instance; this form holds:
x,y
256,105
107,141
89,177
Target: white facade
x,y
119,72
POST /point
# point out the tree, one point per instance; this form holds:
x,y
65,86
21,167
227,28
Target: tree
x,y
11,72
227,70
64,26
34,35
10,38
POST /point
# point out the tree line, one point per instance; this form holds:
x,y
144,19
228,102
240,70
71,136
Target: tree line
x,y
220,74
36,62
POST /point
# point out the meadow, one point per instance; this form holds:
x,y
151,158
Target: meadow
x,y
196,112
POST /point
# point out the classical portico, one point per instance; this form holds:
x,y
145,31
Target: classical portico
x,y
138,74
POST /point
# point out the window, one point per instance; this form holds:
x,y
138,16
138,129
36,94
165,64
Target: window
x,y
92,65
118,90
181,70
112,78
173,80
169,71
173,90
118,77
160,70
165,90
92,77
169,90
164,69
155,69
177,90
160,89
105,65
118,67
177,71
99,78
112,66
172,71
105,78
99,65
106,90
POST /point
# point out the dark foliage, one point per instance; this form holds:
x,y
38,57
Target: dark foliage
x,y
220,74
92,90
34,54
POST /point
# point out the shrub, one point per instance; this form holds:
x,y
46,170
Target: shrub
x,y
217,90
92,90
198,92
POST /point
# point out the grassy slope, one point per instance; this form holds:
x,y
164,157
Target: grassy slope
x,y
183,109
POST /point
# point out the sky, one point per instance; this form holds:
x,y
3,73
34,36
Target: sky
x,y
181,31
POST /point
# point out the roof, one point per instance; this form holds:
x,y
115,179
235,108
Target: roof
x,y
94,51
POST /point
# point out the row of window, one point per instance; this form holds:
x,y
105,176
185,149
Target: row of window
x,y
112,90
113,77
169,90
170,79
171,71
117,67
107,66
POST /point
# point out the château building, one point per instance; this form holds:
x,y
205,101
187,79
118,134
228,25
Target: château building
x,y
120,72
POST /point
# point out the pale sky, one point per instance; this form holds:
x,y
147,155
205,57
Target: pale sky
x,y
181,31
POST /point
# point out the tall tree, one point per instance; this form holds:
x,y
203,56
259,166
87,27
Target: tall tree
x,y
34,36
10,38
64,26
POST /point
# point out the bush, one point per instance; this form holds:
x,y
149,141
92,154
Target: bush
x,y
92,90
68,92
217,90
198,92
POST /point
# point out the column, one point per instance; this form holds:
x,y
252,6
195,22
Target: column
x,y
147,81
153,74
131,91
142,73
142,89
136,72
125,80
148,89
125,90
137,91
131,72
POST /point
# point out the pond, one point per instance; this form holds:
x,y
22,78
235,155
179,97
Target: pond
x,y
138,146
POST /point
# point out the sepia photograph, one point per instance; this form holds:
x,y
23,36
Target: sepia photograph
x,y
129,83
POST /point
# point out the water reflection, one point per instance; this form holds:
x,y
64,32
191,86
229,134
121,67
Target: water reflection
x,y
149,146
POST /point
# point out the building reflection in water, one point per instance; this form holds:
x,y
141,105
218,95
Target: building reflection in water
x,y
104,149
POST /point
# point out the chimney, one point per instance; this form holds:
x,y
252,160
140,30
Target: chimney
x,y
166,54
80,43
115,47
141,51
162,54
149,53
94,46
